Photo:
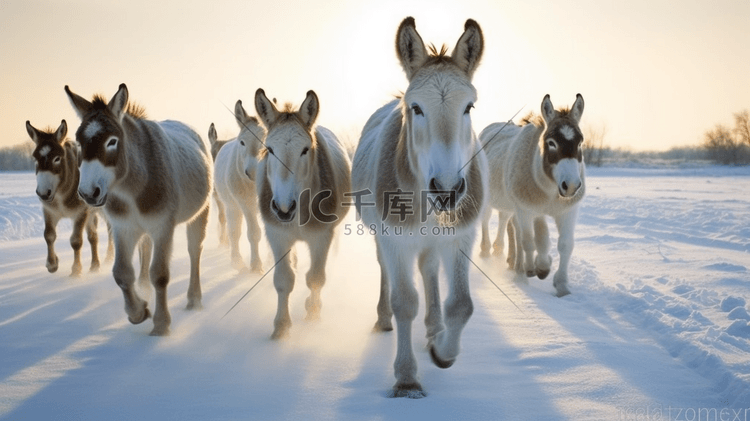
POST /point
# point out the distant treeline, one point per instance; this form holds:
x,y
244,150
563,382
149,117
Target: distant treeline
x,y
17,158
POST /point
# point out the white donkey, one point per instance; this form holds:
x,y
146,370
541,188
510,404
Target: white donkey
x,y
149,177
216,146
57,187
301,179
537,170
234,176
421,159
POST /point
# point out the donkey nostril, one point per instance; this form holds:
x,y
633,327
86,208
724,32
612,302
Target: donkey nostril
x,y
273,206
435,185
97,191
564,186
292,207
460,188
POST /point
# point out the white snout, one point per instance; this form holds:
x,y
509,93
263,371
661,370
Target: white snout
x,y
95,181
567,173
46,185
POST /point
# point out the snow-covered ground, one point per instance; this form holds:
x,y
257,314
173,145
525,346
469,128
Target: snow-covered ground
x,y
656,326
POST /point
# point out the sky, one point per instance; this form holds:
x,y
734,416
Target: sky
x,y
657,74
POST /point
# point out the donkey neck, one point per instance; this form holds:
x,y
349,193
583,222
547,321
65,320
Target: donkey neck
x,y
68,188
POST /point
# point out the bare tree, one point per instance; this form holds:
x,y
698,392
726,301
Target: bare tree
x,y
742,127
593,144
721,145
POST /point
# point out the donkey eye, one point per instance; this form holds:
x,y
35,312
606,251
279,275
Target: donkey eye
x,y
57,160
242,142
416,109
112,142
468,108
269,150
552,144
304,151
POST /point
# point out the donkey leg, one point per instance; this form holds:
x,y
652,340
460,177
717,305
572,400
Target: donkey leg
x,y
91,223
543,261
223,239
484,245
253,235
316,276
502,222
565,226
76,242
50,235
234,226
145,251
429,265
283,280
458,308
512,247
159,274
385,313
405,303
125,242
110,244
196,231
526,236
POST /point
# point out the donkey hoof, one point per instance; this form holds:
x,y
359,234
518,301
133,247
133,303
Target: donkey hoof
x,y
194,305
484,254
407,390
94,267
280,333
541,274
146,316
379,327
562,291
160,331
441,363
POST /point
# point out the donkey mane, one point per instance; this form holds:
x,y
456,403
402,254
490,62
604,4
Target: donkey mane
x,y
536,119
133,109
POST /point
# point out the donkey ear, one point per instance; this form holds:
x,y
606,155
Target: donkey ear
x,y
410,48
80,105
212,137
548,110
240,114
469,48
308,111
118,102
61,132
577,111
32,131
265,108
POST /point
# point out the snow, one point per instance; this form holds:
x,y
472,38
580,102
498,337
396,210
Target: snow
x,y
657,324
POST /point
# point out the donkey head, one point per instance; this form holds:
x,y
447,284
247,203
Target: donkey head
x,y
290,151
99,136
562,143
49,155
437,106
250,137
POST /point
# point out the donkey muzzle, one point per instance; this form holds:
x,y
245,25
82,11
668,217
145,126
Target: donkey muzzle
x,y
95,198
281,215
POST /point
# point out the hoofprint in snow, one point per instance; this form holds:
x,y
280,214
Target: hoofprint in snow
x,y
656,325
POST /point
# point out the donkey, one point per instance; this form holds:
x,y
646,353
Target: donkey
x,y
538,171
420,157
234,172
148,176
57,187
216,146
301,178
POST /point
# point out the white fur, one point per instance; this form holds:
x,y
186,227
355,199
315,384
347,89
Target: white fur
x,y
568,132
44,151
92,129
